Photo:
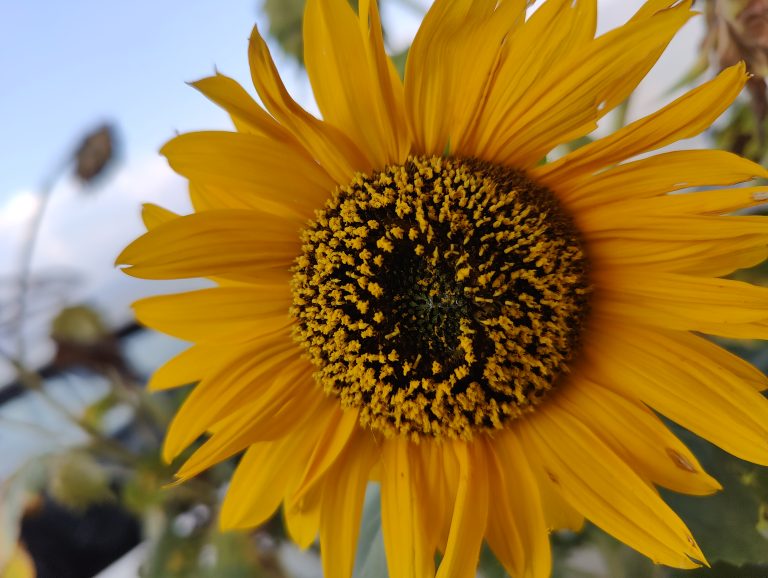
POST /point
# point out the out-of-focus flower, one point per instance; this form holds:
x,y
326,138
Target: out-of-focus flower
x,y
94,153
78,481
408,292
83,340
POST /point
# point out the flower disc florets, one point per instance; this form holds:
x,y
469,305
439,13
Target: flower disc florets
x,y
441,297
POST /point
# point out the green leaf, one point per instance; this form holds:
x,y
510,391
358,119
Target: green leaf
x,y
171,555
725,524
489,566
724,570
285,24
399,60
77,480
234,556
286,21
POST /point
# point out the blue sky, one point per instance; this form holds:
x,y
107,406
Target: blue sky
x,y
68,65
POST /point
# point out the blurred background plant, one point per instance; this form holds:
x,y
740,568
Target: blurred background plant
x,y
738,30
99,500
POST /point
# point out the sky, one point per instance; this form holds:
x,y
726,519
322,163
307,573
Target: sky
x,y
69,66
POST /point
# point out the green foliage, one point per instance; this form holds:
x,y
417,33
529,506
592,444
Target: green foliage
x,y
78,324
742,134
724,570
201,552
726,524
399,60
489,566
77,480
285,25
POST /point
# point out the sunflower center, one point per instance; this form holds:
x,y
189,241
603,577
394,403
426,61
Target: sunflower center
x,y
442,297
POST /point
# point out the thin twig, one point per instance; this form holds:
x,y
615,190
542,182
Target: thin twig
x,y
27,255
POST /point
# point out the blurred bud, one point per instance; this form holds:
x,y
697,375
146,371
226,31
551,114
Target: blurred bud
x,y
95,153
79,324
78,481
83,340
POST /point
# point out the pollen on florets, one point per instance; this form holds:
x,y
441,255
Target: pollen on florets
x,y
440,297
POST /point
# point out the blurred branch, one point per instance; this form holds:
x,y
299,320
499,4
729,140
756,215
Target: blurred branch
x,y
26,255
91,157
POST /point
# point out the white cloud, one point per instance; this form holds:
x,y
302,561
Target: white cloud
x,y
81,234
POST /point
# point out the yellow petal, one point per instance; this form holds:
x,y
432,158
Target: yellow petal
x,y
637,436
437,501
329,146
390,84
258,167
349,81
558,513
671,227
329,447
654,176
605,489
302,517
733,364
683,383
686,117
553,30
232,314
693,244
206,197
234,244
629,81
188,367
567,100
220,391
706,203
267,418
449,65
403,524
470,514
517,531
342,506
667,300
707,258
246,114
267,471
651,7
153,215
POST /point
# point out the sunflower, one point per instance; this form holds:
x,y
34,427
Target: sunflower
x,y
407,292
